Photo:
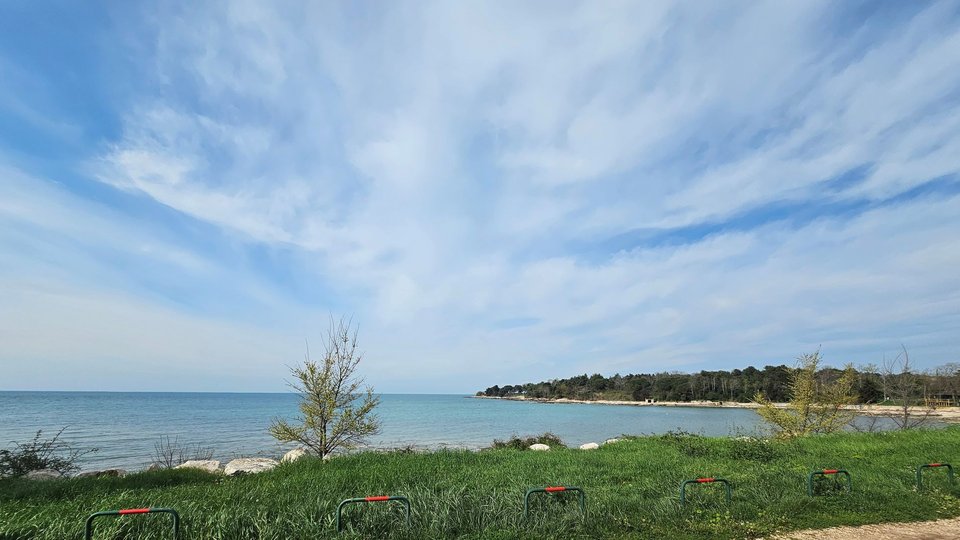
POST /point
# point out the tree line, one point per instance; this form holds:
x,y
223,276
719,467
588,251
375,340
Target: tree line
x,y
873,384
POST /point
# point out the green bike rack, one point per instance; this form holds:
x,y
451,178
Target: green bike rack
x,y
550,490
696,481
382,498
130,511
933,466
827,472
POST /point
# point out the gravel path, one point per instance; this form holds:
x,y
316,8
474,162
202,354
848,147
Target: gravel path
x,y
944,529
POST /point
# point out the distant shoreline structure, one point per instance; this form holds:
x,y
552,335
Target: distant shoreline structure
x,y
946,414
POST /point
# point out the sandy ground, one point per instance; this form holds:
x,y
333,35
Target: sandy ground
x,y
944,529
947,414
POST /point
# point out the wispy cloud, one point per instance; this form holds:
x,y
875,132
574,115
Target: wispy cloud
x,y
503,192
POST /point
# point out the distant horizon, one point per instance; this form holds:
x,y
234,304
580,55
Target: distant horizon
x,y
446,393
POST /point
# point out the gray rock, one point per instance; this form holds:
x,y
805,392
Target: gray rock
x,y
249,466
115,473
44,474
294,455
539,447
209,465
154,467
589,446
611,441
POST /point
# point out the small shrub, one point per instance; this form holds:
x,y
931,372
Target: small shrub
x,y
39,454
522,443
689,444
170,453
754,449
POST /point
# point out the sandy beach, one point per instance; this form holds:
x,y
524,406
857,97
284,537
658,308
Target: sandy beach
x,y
945,414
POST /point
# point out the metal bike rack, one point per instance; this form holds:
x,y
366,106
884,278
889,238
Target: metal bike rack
x,y
696,481
933,466
383,498
827,472
130,511
550,490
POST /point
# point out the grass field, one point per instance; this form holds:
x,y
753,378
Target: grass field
x,y
631,492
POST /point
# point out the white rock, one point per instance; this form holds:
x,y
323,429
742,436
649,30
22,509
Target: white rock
x,y
611,441
249,466
293,455
116,473
539,447
43,474
589,446
209,465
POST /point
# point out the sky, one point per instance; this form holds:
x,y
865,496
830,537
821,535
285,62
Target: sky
x,y
494,192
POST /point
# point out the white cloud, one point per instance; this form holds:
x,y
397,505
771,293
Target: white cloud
x,y
434,163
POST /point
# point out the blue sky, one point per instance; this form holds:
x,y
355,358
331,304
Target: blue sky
x,y
497,192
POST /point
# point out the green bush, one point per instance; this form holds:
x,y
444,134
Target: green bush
x,y
39,454
522,443
689,444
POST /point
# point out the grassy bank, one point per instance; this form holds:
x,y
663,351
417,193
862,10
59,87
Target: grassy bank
x,y
631,490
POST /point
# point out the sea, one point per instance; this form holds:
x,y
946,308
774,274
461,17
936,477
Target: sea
x,y
126,427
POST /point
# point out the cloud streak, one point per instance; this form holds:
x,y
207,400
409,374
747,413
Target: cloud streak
x,y
502,192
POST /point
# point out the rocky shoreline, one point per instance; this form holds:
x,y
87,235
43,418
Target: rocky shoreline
x,y
234,467
944,414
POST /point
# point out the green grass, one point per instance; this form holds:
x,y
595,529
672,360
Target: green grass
x,y
631,488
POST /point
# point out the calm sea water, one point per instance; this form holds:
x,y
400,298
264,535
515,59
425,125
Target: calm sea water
x,y
125,426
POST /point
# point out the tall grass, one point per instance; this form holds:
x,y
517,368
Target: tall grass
x,y
631,488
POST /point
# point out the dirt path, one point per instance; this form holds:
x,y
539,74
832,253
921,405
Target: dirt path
x,y
944,529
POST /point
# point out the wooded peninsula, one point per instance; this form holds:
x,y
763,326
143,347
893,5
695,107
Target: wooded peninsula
x,y
939,386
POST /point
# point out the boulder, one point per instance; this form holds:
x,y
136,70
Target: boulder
x,y
209,465
611,441
154,467
589,446
43,474
539,447
115,473
293,455
249,466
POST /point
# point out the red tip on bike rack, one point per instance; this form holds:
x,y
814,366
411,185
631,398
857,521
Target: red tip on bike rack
x,y
828,472
378,498
554,489
696,481
134,511
88,526
935,465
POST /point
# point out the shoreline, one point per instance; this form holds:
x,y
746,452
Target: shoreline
x,y
945,414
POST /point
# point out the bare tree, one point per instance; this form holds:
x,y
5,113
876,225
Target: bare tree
x,y
905,388
335,413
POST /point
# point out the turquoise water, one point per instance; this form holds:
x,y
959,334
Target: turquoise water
x,y
125,426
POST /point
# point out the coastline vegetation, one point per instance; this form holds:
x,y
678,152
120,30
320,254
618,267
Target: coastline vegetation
x,y
631,492
893,382
41,453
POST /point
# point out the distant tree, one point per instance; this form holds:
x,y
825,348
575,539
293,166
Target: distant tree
x,y
813,407
335,414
